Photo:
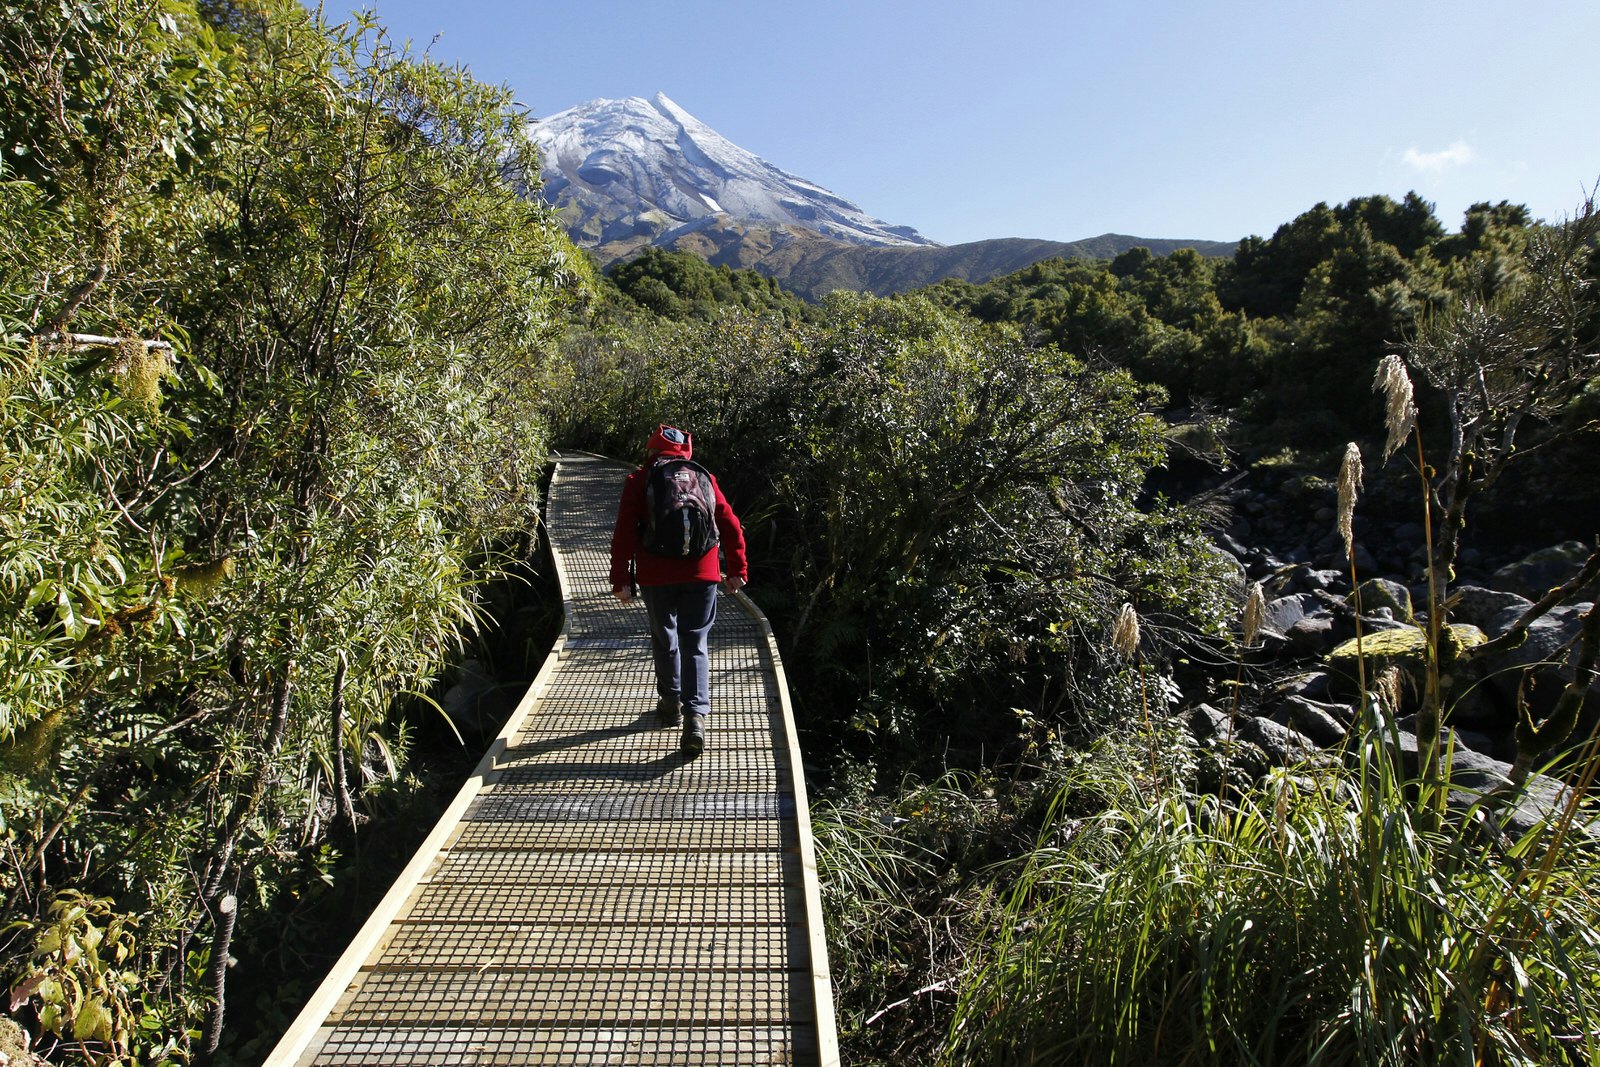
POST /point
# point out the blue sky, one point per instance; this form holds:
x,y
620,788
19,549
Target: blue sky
x,y
1064,119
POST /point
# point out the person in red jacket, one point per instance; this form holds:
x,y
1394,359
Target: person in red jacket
x,y
680,592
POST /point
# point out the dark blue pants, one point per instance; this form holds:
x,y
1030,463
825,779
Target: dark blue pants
x,y
680,628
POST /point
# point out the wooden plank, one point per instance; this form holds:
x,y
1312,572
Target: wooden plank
x,y
598,867
582,997
476,947
619,1046
771,904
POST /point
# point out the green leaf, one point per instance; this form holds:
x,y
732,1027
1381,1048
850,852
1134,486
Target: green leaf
x,y
93,1021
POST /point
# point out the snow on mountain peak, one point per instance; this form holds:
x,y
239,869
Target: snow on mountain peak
x,y
636,169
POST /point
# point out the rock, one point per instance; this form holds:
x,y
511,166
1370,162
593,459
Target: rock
x,y
475,700
1484,608
1403,647
1312,719
1378,594
1500,747
1233,544
1323,579
1281,745
1539,572
1474,776
1410,533
1315,635
1205,721
1375,624
1545,652
1310,685
1541,798
1285,611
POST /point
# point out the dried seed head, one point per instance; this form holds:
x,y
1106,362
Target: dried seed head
x,y
1255,613
1349,488
1388,689
1125,632
1400,413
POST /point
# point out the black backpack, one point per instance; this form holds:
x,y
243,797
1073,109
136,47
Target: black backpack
x,y
680,510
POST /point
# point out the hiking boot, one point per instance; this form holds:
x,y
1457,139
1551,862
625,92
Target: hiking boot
x,y
668,712
694,735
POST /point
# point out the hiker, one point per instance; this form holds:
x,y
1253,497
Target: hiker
x,y
671,519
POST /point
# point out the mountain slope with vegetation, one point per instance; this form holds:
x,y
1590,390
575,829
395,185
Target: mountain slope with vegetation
x,y
813,269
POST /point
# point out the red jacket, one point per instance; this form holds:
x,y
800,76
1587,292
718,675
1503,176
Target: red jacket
x,y
627,541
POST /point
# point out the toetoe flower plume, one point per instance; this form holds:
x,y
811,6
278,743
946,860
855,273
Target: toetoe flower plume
x,y
1125,632
1349,486
1400,413
1255,613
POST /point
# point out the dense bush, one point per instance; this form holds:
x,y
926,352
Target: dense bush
x,y
943,514
679,285
234,537
238,530
1284,337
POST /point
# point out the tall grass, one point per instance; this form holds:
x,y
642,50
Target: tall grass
x,y
1314,921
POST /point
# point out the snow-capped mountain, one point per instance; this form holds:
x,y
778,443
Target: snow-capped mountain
x,y
631,172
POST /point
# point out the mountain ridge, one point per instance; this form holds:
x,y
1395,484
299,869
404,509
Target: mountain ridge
x,y
634,173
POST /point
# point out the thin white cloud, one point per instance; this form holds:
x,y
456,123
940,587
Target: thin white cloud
x,y
1458,154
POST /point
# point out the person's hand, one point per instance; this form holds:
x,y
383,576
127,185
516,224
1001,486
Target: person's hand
x,y
732,584
622,593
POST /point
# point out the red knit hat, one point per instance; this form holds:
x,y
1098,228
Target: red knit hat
x,y
671,439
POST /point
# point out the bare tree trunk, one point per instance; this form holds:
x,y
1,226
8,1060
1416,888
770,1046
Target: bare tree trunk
x,y
341,777
222,858
221,941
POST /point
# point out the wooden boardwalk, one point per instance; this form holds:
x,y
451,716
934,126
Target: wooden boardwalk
x,y
593,897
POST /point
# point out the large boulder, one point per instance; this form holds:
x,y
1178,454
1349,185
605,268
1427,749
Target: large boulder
x,y
1312,685
1282,745
1475,777
1403,647
1484,608
1539,572
1501,745
1306,622
1380,593
1206,722
1544,653
1285,611
1314,635
1322,723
